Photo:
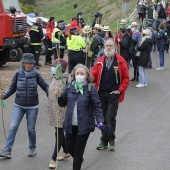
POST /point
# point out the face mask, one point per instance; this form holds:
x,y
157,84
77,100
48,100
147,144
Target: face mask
x,y
133,29
80,78
53,70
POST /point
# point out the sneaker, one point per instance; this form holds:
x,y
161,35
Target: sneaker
x,y
160,68
52,164
63,156
112,146
140,85
32,153
5,153
101,146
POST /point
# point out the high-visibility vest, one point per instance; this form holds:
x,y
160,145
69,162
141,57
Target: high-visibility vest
x,y
54,39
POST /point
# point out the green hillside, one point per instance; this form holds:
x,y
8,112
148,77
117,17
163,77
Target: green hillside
x,y
63,9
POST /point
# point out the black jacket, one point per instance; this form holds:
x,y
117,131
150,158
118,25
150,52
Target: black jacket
x,y
124,46
36,34
145,49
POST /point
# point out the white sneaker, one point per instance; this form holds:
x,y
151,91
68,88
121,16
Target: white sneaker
x,y
63,156
160,68
140,85
52,164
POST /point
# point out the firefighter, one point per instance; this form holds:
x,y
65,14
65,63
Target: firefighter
x,y
36,35
59,40
49,29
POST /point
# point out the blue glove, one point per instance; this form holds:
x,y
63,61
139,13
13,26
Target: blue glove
x,y
100,126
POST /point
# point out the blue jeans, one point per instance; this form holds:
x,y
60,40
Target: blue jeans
x,y
161,58
150,61
142,75
17,115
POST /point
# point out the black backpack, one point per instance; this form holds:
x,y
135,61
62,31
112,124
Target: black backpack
x,y
162,13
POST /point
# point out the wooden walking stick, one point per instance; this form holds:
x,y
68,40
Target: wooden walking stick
x,y
118,46
2,108
58,75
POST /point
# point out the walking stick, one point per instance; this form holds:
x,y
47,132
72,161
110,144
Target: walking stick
x,y
58,76
2,108
118,46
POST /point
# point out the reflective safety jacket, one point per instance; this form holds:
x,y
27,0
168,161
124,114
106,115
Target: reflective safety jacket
x,y
58,37
76,43
36,34
49,29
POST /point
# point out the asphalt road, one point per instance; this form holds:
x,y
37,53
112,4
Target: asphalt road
x,y
142,129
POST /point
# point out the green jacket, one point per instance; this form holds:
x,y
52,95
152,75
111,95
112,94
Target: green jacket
x,y
94,47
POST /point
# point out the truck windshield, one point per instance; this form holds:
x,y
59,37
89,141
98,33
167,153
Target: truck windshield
x,y
8,3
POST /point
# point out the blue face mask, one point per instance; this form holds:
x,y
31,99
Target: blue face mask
x,y
53,70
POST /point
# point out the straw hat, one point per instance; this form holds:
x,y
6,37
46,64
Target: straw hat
x,y
123,22
145,32
86,29
97,26
134,24
106,28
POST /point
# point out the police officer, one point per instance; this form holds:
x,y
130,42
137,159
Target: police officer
x,y
49,29
36,34
58,39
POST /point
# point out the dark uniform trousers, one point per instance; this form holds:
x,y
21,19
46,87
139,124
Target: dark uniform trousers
x,y
49,52
74,58
36,51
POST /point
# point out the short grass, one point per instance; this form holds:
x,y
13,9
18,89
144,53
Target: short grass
x,y
63,9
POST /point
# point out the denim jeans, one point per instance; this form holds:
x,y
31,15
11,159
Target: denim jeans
x,y
150,61
17,115
161,58
142,75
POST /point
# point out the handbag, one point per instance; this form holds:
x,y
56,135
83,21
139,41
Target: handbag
x,y
138,53
168,39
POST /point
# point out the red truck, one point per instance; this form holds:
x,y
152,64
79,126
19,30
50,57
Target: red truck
x,y
13,28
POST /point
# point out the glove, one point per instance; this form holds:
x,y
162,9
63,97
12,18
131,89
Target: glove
x,y
100,126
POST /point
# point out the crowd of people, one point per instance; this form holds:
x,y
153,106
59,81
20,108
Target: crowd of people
x,y
96,56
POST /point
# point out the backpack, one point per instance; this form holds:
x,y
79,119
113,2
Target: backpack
x,y
37,77
101,45
162,13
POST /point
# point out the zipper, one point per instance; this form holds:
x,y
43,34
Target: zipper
x,y
26,89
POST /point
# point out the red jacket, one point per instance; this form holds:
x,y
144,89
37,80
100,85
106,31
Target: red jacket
x,y
168,11
123,74
73,24
49,29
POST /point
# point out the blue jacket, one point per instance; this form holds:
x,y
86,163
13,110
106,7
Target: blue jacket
x,y
88,108
25,86
161,40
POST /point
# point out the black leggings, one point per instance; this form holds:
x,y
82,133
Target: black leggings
x,y
61,142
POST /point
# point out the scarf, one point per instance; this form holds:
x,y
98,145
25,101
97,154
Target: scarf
x,y
144,38
78,86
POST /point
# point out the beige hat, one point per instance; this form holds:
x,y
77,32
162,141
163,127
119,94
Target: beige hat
x,y
123,22
106,28
86,29
97,26
134,24
146,32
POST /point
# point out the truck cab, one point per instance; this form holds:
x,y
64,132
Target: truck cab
x,y
13,28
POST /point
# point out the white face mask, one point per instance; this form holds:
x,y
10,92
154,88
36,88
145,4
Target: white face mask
x,y
80,78
53,70
133,29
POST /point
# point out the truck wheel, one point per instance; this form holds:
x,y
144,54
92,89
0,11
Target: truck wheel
x,y
3,57
44,48
15,54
